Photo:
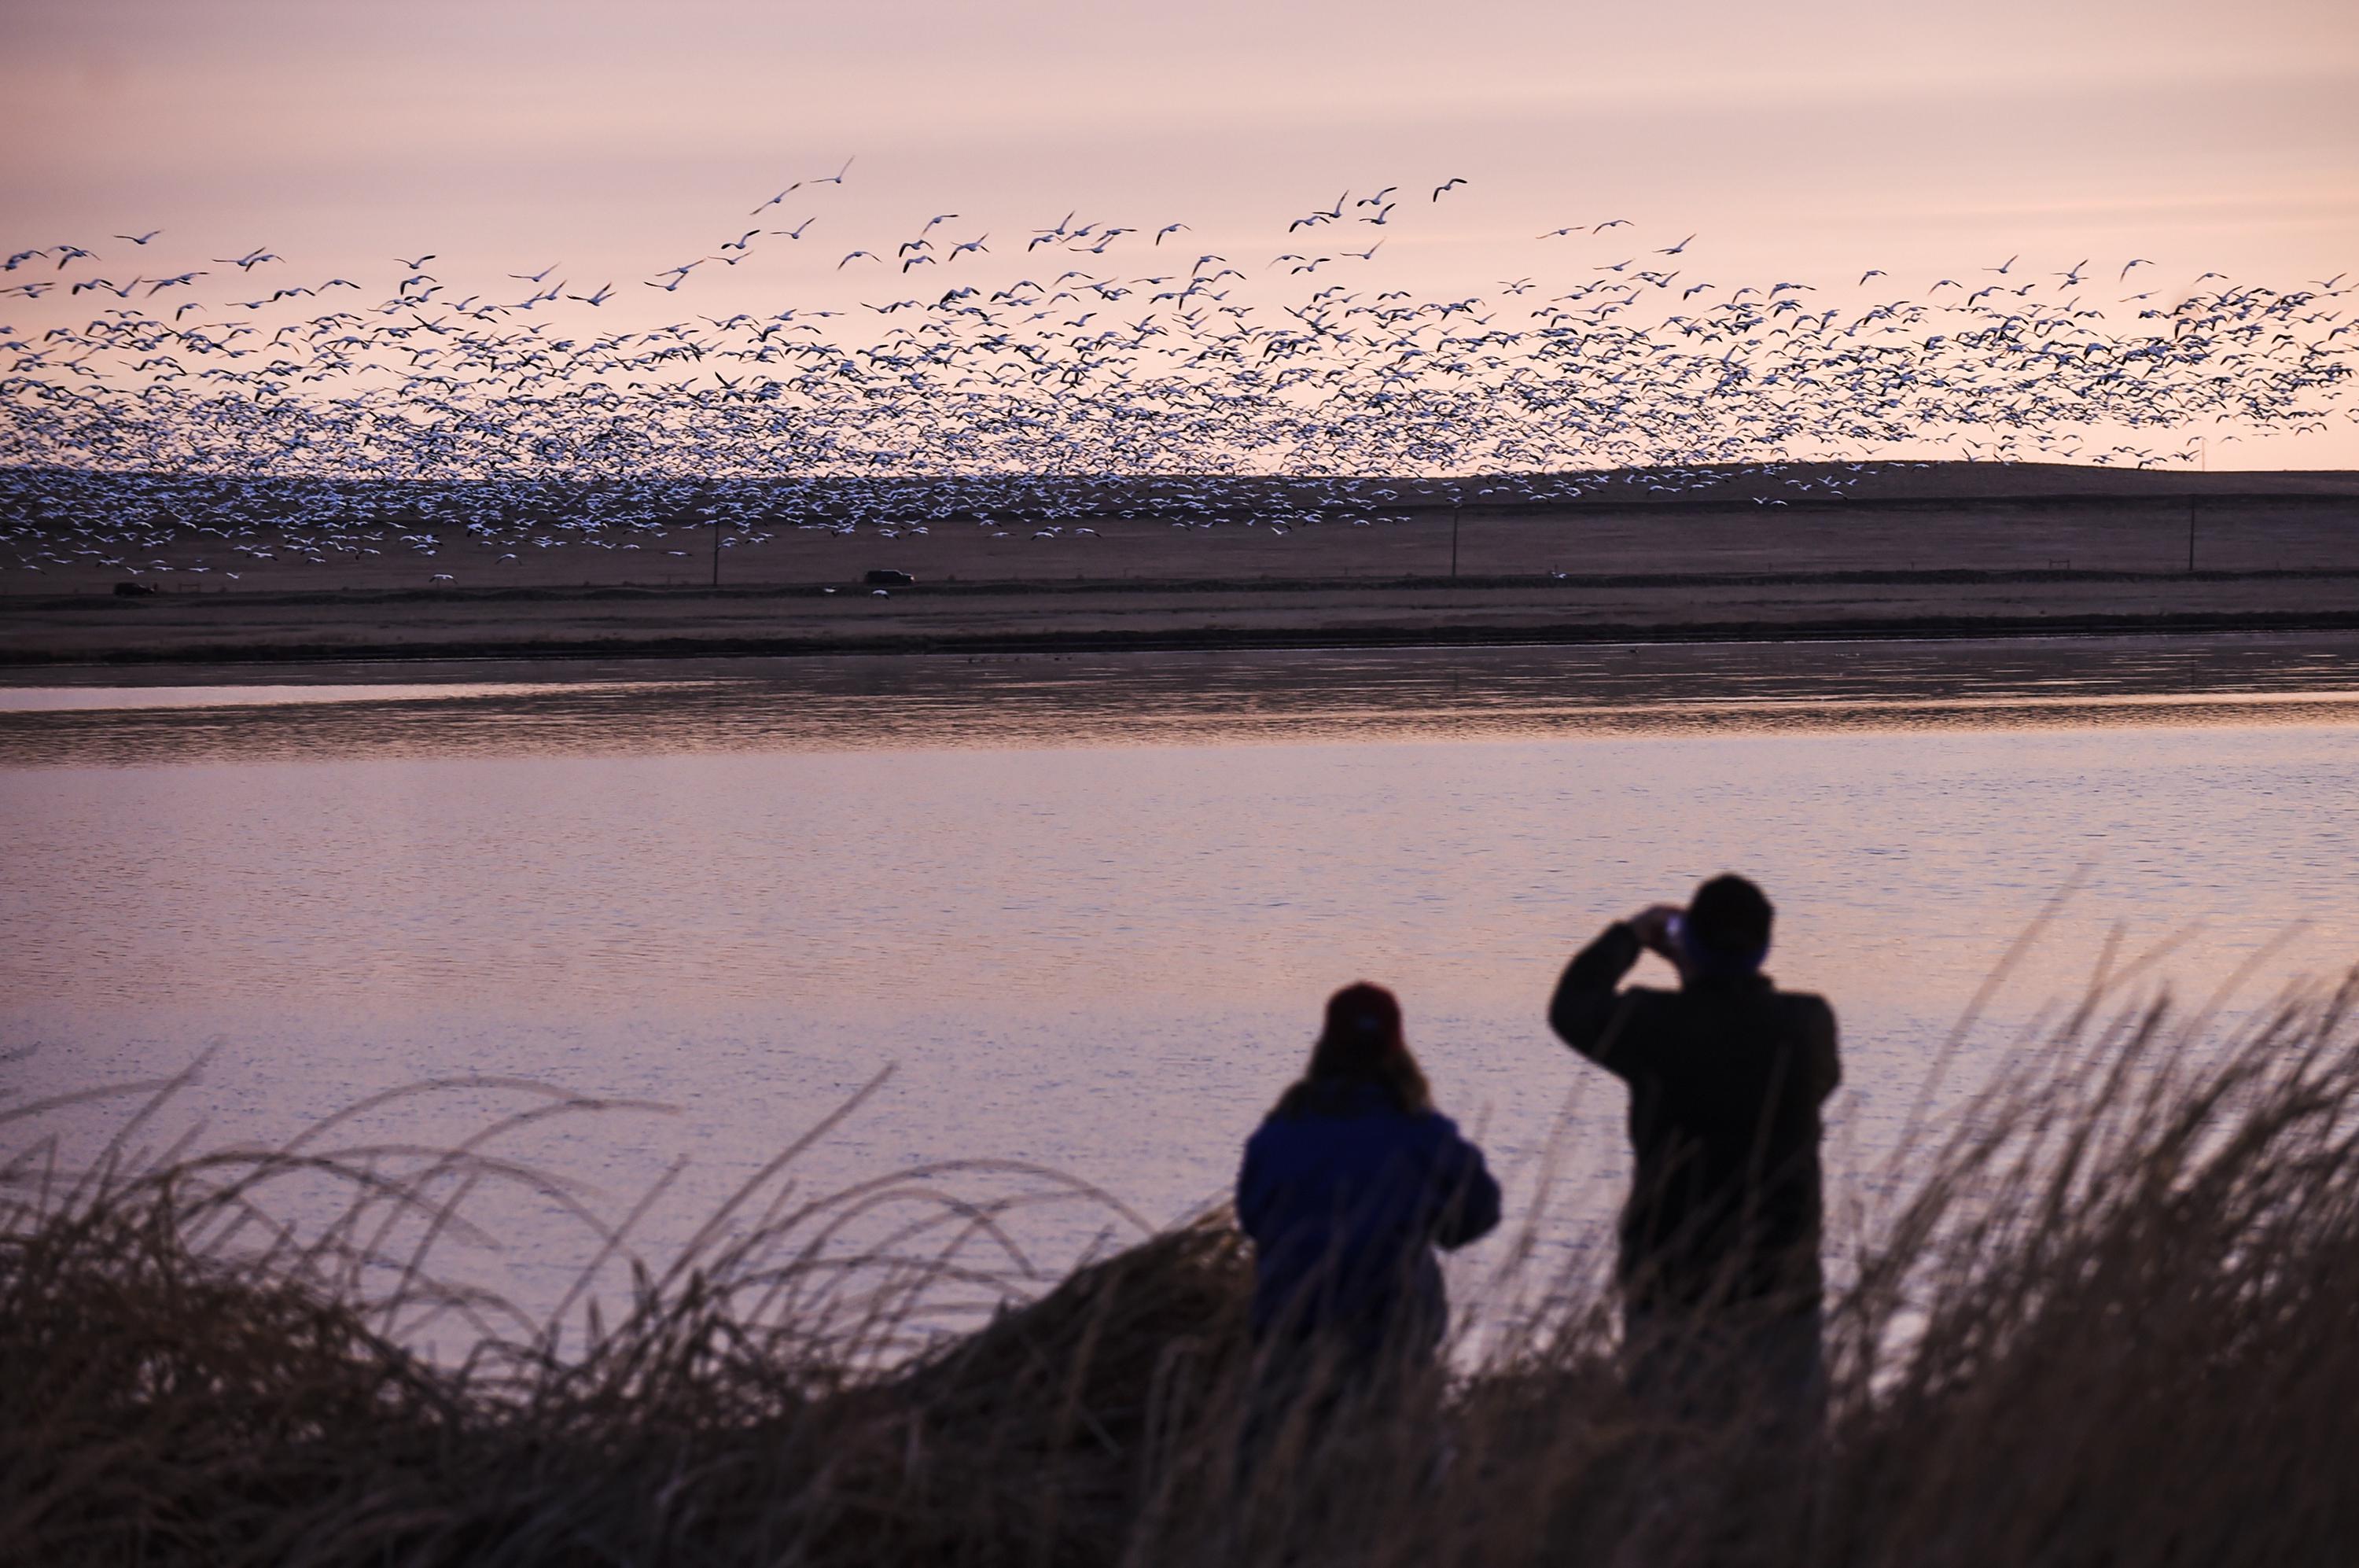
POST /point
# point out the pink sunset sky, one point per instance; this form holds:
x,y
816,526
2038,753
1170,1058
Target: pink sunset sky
x,y
1808,141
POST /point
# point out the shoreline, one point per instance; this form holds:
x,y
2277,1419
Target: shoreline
x,y
682,646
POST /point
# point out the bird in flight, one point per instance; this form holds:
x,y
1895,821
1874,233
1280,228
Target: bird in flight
x,y
1450,184
1045,236
835,179
1323,215
140,239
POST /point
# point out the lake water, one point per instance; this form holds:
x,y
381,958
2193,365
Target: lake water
x,y
1089,908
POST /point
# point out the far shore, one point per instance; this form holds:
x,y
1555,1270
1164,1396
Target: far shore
x,y
2137,553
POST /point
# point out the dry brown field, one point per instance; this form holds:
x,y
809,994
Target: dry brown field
x,y
1970,550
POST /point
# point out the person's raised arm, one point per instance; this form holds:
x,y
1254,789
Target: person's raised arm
x,y
1582,1011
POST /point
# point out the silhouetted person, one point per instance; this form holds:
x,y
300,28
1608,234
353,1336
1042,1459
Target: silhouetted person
x,y
1718,1265
1347,1188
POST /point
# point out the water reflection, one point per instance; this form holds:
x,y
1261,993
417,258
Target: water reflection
x,y
741,889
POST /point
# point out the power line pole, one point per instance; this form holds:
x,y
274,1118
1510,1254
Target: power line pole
x,y
2203,451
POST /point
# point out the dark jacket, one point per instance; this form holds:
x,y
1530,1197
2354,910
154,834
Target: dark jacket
x,y
1726,1076
1345,1203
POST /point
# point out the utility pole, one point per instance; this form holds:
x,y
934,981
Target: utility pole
x,y
2203,452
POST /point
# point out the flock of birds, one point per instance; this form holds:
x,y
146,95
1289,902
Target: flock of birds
x,y
1063,372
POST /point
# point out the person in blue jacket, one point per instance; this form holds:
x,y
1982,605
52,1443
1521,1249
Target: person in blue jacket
x,y
1348,1187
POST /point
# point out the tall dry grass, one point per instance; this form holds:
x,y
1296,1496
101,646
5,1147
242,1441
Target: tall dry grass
x,y
2110,1316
